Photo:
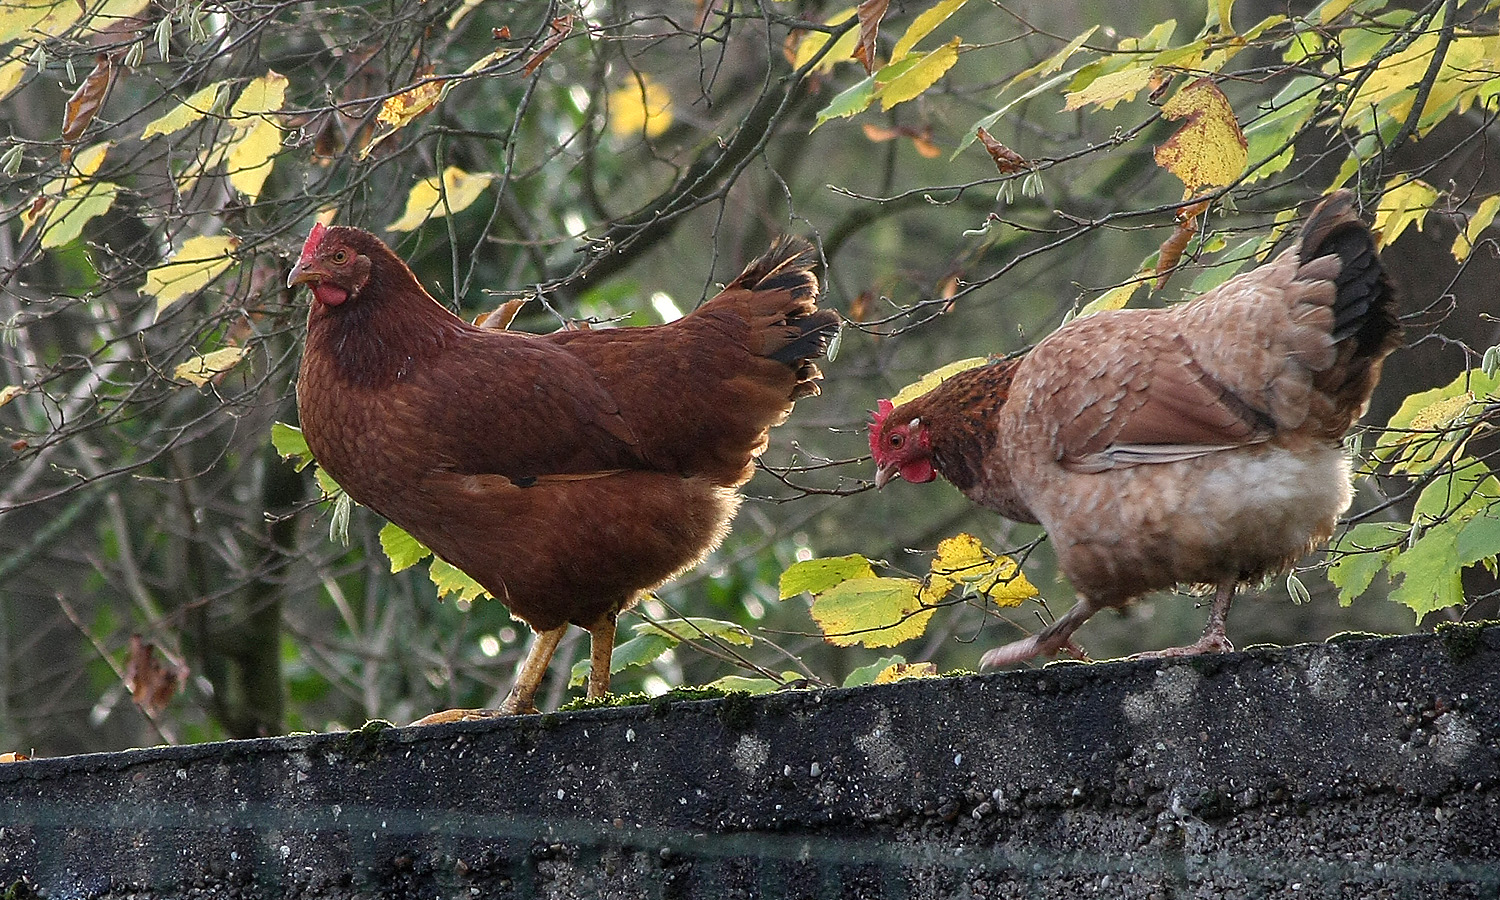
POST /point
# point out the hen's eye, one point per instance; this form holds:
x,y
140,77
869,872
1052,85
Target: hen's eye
x,y
896,439
340,257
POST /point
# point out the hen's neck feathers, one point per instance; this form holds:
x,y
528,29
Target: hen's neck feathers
x,y
960,418
383,330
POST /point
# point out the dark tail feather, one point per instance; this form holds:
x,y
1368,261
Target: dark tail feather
x,y
1364,309
787,266
814,334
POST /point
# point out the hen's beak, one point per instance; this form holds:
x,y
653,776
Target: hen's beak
x,y
301,274
885,474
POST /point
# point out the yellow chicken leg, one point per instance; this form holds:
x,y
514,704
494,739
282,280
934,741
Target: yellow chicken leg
x,y
1213,640
528,680
601,650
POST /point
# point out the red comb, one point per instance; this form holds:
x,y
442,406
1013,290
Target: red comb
x,y
314,237
882,409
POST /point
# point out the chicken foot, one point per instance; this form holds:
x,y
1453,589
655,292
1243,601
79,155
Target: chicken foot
x,y
1055,637
521,699
1214,640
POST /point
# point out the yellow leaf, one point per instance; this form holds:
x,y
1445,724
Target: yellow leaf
x,y
185,113
923,25
48,17
1463,245
265,94
1332,10
399,110
900,671
10,392
1107,90
486,61
874,612
1114,298
1224,8
642,106
964,560
87,162
202,369
1404,203
251,158
257,137
936,377
921,76
85,201
1209,148
200,261
459,14
1442,414
841,51
11,75
426,199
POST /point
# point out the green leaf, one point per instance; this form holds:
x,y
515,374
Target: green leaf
x,y
403,550
1461,493
814,576
1425,429
1480,539
1272,133
923,25
751,685
921,76
867,674
1367,548
690,628
289,442
1431,577
450,579
1055,61
638,651
988,122
86,201
325,481
849,102
338,523
873,612
1221,271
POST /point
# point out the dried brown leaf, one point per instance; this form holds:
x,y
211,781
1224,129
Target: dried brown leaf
x,y
152,684
501,34
861,305
1008,161
561,26
1171,250
86,102
870,12
500,317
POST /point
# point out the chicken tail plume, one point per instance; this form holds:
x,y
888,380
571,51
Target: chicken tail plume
x,y
1364,309
782,292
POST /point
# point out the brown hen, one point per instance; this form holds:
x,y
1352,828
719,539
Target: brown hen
x,y
567,473
1196,444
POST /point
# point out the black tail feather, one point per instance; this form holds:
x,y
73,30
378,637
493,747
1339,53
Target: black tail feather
x,y
787,266
815,332
1364,309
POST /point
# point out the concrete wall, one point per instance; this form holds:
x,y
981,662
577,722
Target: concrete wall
x,y
1362,769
